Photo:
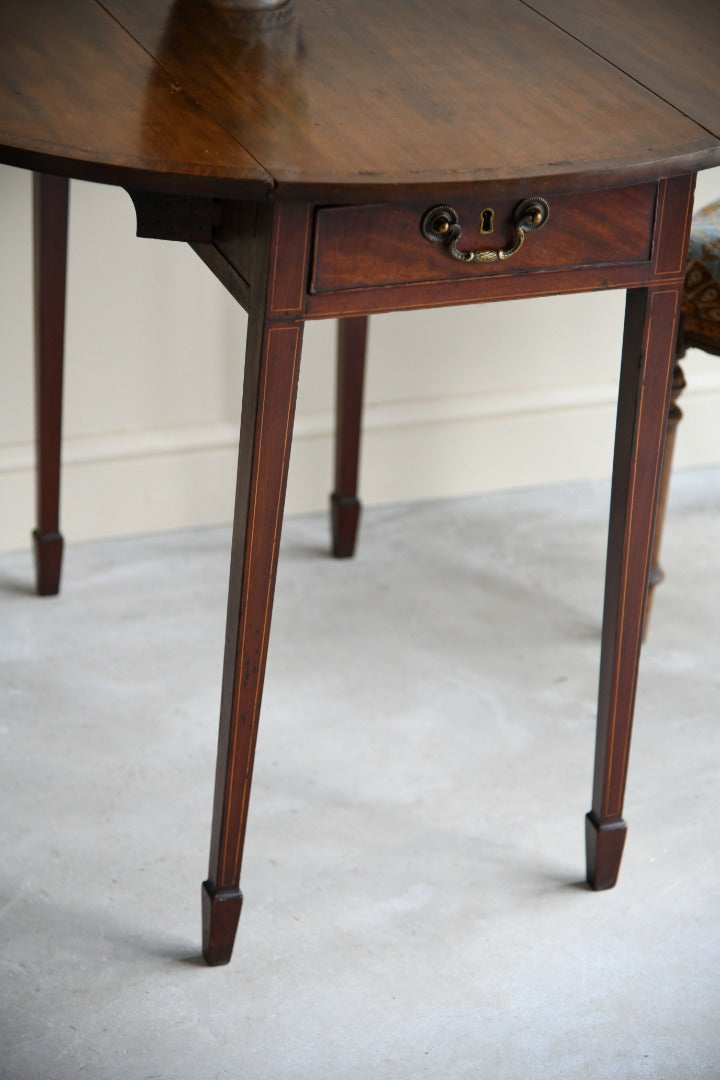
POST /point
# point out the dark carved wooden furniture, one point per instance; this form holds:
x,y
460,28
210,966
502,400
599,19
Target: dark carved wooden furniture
x,y
363,158
699,329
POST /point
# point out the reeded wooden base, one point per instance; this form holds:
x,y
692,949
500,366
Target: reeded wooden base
x,y
345,517
48,562
220,915
604,847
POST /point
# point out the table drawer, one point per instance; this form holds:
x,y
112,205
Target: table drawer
x,y
357,247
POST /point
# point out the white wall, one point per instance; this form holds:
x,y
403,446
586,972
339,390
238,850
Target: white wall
x,y
461,400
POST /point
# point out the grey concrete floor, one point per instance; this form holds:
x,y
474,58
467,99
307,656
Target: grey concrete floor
x,y
414,904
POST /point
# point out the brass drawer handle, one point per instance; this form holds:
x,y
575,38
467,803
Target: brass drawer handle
x,y
441,223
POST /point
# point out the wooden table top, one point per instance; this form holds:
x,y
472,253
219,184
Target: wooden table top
x,y
360,98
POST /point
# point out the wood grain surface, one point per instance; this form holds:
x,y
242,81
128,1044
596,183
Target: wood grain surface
x,y
79,97
357,246
352,98
652,41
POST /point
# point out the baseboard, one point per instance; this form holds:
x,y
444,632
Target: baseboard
x,y
138,482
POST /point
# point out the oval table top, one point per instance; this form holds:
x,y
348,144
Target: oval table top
x,y
351,99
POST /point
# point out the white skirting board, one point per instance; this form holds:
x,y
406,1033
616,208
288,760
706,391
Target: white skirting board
x,y
140,482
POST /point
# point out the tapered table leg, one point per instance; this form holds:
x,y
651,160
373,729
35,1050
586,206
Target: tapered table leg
x,y
344,504
50,210
645,380
271,373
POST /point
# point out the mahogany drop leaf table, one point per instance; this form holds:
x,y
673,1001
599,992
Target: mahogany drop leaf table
x,y
341,158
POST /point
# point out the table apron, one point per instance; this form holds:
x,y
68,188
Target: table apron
x,y
513,286
371,259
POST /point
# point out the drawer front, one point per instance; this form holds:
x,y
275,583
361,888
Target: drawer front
x,y
358,247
